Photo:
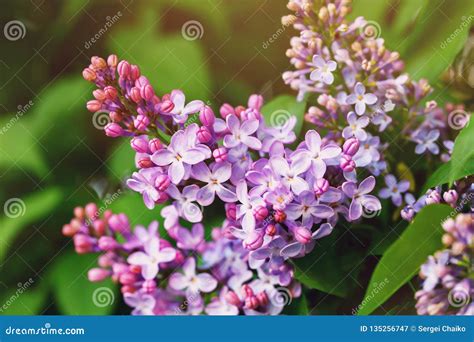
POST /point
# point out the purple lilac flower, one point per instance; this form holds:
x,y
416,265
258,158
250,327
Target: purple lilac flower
x,y
290,173
356,127
241,133
315,155
296,248
190,239
323,70
308,209
248,205
264,180
426,141
142,303
143,182
368,151
219,306
180,154
150,259
190,282
360,197
283,133
181,111
220,174
361,99
394,189
184,202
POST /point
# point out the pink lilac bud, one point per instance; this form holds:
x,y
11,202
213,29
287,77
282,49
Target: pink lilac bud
x,y
147,92
204,135
232,298
271,230
279,216
127,278
351,146
303,235
155,145
162,197
206,116
433,197
255,102
139,144
110,92
250,114
251,302
321,186
93,106
107,243
79,213
149,286
135,269
115,117
408,213
112,61
127,289
99,227
97,274
220,154
89,74
239,110
91,211
167,106
134,72
231,211
346,163
113,130
98,62
119,223
162,182
247,290
69,230
123,69
135,95
83,243
451,196
141,82
226,109
261,213
141,122
145,163
99,95
262,298
254,240
106,260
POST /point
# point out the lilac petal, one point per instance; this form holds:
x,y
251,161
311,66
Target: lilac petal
x,y
361,134
323,231
207,283
351,99
178,281
176,172
419,149
193,156
192,213
162,157
138,258
366,186
251,142
347,132
349,189
363,121
280,166
205,195
230,141
371,203
131,299
249,127
298,185
255,177
226,195
313,141
385,193
390,180
316,75
233,123
193,107
291,250
370,99
318,168
355,210
293,211
148,200
300,165
331,65
136,185
201,172
330,151
149,271
261,253
359,89
242,193
248,222
351,118
360,107
328,78
178,99
223,172
323,211
397,199
318,61
403,186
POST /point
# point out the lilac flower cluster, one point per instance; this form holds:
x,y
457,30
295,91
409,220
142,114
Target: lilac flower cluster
x,y
448,286
183,275
360,89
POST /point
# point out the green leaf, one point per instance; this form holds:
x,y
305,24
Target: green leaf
x,y
325,269
461,163
297,307
281,108
74,294
402,260
24,299
23,212
121,162
19,148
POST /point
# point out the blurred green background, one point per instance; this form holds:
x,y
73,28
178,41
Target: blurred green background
x,y
52,158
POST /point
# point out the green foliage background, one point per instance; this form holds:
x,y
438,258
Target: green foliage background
x,y
54,159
